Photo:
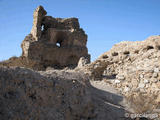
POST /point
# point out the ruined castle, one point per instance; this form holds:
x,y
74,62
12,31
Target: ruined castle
x,y
55,42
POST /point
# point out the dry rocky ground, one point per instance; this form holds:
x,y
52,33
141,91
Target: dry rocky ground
x,y
55,95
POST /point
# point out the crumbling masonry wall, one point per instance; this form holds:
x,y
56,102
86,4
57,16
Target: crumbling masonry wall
x,y
55,42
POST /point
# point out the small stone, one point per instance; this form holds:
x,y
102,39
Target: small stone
x,y
155,81
154,86
126,89
118,85
83,61
147,85
146,81
155,75
117,81
134,83
158,100
142,90
141,76
136,90
141,85
158,84
148,75
156,70
120,77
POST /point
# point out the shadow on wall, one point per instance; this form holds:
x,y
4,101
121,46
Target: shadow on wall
x,y
108,105
72,60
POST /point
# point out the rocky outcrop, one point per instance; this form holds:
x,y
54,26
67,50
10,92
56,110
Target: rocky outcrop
x,y
83,61
133,68
55,42
25,94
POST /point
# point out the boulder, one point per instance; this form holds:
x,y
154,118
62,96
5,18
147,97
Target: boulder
x,y
83,61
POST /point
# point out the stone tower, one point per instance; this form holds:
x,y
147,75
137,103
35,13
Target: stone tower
x,y
55,42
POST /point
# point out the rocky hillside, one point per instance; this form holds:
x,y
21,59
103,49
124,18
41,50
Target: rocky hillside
x,y
133,68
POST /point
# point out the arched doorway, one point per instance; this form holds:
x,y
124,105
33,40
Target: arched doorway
x,y
61,39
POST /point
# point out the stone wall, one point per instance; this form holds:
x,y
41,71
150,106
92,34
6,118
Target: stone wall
x,y
133,68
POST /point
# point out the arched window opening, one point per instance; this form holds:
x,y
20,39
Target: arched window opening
x,y
58,44
42,28
60,39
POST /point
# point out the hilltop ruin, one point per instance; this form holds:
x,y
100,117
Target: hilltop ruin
x,y
55,42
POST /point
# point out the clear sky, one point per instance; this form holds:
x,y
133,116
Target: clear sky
x,y
105,21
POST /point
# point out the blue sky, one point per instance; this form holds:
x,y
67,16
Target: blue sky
x,y
106,22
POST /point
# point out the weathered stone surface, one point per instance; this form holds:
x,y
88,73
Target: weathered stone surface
x,y
55,95
83,61
136,65
96,68
25,94
55,42
38,15
120,77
